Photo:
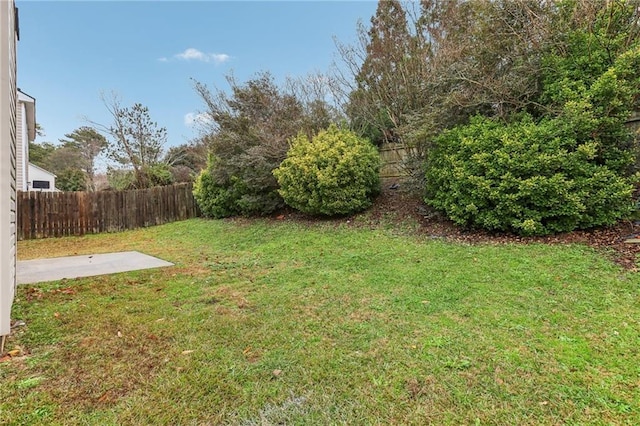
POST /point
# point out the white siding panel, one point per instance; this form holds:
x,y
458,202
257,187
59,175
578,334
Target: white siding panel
x,y
20,132
7,162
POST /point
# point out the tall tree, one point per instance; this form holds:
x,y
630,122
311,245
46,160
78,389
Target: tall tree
x,y
64,161
187,160
89,144
249,134
137,141
387,82
319,95
39,153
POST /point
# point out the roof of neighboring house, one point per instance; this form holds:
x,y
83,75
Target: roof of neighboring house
x,y
30,105
43,170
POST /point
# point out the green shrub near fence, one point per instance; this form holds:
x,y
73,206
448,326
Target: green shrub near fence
x,y
524,177
335,173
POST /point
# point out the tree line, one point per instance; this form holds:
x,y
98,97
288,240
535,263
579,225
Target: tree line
x,y
133,142
452,83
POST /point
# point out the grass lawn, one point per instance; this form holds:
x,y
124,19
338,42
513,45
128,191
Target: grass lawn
x,y
271,322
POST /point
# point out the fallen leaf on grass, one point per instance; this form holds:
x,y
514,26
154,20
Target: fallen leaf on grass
x,y
34,293
276,373
18,323
187,352
56,314
119,334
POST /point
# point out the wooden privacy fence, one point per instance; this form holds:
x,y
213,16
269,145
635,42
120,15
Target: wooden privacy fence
x,y
634,124
392,156
56,214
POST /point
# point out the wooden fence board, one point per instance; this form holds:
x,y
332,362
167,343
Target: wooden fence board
x,y
55,214
391,158
393,155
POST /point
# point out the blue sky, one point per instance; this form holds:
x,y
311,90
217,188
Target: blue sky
x,y
148,51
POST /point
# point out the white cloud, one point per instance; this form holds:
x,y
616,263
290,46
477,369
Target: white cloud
x,y
192,54
163,59
192,119
219,58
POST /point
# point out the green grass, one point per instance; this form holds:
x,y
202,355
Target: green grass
x,y
264,322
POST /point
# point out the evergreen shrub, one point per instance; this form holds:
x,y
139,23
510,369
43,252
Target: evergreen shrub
x,y
334,173
524,177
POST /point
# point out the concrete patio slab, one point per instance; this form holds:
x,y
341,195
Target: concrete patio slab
x,y
57,268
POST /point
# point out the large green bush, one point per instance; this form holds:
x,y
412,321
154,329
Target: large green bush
x,y
570,167
214,200
524,177
248,136
234,195
335,173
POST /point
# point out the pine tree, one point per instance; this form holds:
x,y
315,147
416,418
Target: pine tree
x,y
89,144
386,84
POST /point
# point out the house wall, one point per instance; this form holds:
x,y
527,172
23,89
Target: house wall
x,y
8,94
25,133
38,174
22,156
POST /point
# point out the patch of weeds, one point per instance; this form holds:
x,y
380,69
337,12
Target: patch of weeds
x,y
29,383
457,363
437,341
39,415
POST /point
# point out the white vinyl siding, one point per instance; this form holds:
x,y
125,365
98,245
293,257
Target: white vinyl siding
x,y
21,131
8,41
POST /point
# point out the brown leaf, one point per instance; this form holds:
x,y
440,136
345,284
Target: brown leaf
x,y
276,373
